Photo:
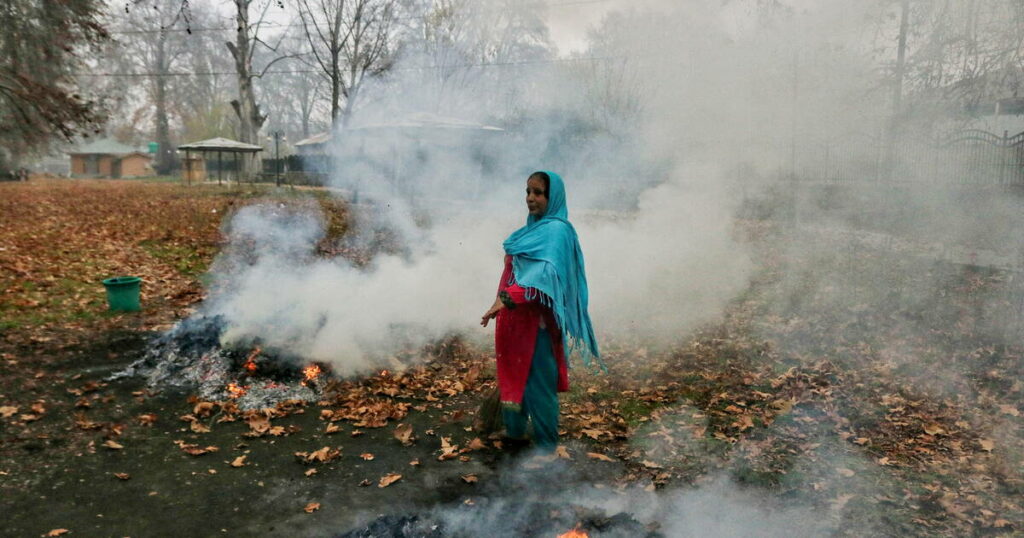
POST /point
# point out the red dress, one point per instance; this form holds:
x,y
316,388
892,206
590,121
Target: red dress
x,y
516,335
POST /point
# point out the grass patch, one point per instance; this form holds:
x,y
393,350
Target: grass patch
x,y
187,259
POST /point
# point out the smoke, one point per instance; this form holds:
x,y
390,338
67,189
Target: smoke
x,y
675,117
650,188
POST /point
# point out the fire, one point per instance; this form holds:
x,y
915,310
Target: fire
x,y
575,533
235,390
250,361
311,372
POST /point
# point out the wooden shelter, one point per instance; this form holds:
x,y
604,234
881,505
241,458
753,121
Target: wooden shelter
x,y
110,158
240,152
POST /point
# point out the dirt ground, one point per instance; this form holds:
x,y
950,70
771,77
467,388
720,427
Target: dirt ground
x,y
888,409
57,475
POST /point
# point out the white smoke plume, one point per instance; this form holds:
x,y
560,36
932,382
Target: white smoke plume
x,y
651,193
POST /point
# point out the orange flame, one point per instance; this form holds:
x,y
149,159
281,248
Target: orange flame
x,y
575,533
235,390
311,372
250,361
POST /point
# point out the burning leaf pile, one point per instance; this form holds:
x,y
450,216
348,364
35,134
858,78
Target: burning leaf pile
x,y
190,355
504,518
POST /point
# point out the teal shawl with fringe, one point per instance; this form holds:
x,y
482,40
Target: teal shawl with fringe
x,y
547,260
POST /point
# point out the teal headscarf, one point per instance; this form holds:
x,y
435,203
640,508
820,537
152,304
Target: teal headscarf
x,y
547,259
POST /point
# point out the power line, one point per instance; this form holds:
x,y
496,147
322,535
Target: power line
x,y
411,68
299,25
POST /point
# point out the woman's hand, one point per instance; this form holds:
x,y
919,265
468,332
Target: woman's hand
x,y
492,312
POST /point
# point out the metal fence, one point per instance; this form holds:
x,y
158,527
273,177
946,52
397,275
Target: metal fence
x,y
968,156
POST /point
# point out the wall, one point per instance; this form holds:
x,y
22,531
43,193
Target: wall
x,y
136,165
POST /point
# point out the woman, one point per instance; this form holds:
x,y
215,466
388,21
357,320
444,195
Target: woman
x,y
541,305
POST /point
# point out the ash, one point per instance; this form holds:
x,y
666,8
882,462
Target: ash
x,y
504,517
189,355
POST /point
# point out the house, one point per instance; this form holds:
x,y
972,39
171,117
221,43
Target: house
x,y
314,145
110,158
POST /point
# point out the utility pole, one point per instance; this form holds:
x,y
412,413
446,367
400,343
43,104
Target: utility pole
x,y
277,137
901,59
897,86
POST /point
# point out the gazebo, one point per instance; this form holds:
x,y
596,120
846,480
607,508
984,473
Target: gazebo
x,y
220,146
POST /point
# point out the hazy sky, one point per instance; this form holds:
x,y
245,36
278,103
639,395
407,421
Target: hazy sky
x,y
569,20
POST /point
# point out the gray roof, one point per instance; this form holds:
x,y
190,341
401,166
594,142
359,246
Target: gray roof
x,y
106,146
318,138
426,120
221,144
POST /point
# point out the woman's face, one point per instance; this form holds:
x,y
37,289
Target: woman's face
x,y
536,197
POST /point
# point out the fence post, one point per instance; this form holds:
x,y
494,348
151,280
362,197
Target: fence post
x,y
1003,149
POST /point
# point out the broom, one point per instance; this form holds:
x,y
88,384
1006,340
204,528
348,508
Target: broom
x,y
488,415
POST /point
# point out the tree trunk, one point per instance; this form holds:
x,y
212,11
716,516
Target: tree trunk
x,y
249,118
165,153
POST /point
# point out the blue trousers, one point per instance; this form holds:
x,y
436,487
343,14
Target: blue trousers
x,y
540,400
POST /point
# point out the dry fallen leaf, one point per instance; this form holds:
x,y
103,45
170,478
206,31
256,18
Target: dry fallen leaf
x,y
7,411
1009,410
199,427
203,409
113,445
562,452
258,424
323,455
987,444
147,419
238,462
312,507
934,429
415,462
123,476
840,501
331,428
311,471
448,450
596,456
469,478
57,532
194,449
388,479
403,432
366,456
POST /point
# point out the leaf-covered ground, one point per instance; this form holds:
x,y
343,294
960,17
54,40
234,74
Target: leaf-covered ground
x,y
879,389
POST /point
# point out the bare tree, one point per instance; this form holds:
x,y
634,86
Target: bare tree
x,y
456,40
243,50
303,112
153,43
349,41
202,100
951,55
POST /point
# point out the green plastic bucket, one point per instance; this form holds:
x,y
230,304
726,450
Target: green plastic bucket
x,y
123,293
